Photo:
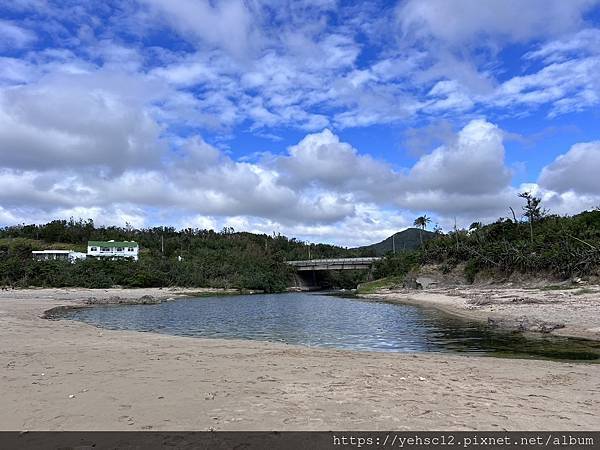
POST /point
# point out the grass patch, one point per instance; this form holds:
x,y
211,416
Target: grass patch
x,y
370,287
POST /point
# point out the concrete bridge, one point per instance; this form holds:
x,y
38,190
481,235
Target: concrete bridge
x,y
310,273
334,264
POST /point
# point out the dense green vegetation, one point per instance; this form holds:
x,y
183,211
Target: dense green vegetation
x,y
541,244
223,259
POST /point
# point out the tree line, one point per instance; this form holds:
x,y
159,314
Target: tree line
x,y
168,257
537,243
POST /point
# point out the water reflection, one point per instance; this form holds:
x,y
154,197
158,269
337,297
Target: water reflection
x,y
331,321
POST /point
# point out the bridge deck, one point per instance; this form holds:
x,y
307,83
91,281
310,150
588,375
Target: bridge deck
x,y
334,263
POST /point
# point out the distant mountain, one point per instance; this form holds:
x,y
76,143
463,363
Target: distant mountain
x,y
404,240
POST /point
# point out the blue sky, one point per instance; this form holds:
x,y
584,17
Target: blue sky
x,y
325,120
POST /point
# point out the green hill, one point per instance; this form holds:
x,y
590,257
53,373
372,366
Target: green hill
x,y
408,239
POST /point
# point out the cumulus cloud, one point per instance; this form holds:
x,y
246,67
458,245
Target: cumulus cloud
x,y
320,188
421,140
465,176
322,160
138,110
369,224
473,164
78,120
319,181
576,171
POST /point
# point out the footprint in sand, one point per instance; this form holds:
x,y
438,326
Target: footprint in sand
x,y
126,419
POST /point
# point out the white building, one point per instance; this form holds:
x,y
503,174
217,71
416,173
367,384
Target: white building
x,y
58,255
113,249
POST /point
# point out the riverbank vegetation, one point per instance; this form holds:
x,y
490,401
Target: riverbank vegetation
x,y
371,287
186,258
539,245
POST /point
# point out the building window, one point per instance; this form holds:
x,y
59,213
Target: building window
x,y
105,249
93,249
130,249
120,249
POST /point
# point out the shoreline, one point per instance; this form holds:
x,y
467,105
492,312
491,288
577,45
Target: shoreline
x,y
67,375
145,299
567,313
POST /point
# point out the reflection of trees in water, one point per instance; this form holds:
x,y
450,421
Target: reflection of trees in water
x,y
333,321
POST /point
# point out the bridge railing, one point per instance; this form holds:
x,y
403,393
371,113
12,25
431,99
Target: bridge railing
x,y
333,261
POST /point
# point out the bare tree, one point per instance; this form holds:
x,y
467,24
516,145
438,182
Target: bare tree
x,y
532,210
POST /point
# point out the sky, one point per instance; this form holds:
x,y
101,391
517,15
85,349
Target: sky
x,y
328,121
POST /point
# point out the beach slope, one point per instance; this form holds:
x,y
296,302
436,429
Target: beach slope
x,y
65,375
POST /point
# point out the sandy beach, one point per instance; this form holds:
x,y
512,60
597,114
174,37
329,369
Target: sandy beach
x,y
66,375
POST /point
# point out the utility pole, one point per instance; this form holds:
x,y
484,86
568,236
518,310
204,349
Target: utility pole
x,y
456,233
394,243
162,244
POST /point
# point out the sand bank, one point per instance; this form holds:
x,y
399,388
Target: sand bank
x,y
66,375
575,309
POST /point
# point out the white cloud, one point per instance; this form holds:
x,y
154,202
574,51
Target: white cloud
x,y
320,181
321,160
227,24
468,21
14,71
472,164
14,36
306,64
576,171
463,39
320,189
102,118
450,96
89,119
567,86
582,43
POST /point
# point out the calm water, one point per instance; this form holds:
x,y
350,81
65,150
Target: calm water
x,y
330,321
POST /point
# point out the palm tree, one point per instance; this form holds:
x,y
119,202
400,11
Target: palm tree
x,y
474,228
421,222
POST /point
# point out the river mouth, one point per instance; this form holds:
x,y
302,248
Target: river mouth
x,y
320,320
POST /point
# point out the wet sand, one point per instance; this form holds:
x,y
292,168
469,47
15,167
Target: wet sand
x,y
66,375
